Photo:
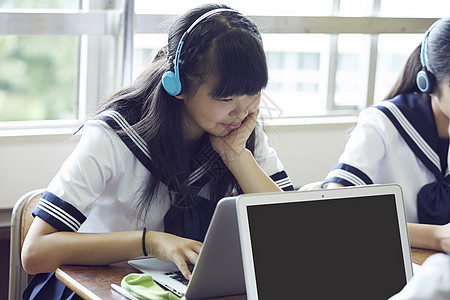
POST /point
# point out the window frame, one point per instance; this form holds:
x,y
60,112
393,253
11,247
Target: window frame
x,y
113,24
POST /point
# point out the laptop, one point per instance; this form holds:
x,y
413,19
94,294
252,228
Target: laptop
x,y
346,243
218,271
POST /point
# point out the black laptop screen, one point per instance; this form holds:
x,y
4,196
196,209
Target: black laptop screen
x,y
327,249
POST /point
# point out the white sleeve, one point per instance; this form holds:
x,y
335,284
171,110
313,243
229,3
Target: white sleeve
x,y
96,159
432,281
364,150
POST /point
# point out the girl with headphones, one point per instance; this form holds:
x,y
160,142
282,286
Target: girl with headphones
x,y
405,140
152,165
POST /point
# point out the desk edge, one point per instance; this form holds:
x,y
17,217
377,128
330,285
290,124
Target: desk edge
x,y
75,286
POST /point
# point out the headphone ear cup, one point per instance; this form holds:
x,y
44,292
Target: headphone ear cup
x,y
171,83
425,81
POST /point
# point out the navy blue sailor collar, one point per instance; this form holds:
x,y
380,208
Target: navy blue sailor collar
x,y
192,220
134,142
413,117
206,162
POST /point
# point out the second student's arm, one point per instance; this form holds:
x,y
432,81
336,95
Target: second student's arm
x,y
435,237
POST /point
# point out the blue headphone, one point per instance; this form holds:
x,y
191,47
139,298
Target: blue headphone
x,y
171,80
425,79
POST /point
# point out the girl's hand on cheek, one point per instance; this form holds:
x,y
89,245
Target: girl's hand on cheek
x,y
232,145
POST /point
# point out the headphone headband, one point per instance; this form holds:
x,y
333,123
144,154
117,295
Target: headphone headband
x,y
425,79
171,80
176,60
423,48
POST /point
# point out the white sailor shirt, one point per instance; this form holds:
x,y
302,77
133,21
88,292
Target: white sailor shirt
x,y
377,153
97,187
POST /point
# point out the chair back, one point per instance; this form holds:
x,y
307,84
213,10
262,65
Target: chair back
x,y
21,220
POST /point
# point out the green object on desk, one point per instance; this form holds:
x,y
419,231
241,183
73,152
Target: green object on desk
x,y
143,287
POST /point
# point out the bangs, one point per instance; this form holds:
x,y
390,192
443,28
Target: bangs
x,y
238,64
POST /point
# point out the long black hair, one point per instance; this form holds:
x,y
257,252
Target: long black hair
x,y
437,60
226,47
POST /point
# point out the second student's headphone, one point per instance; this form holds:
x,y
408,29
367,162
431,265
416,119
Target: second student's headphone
x,y
171,79
425,79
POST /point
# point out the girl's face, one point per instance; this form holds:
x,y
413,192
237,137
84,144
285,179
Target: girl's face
x,y
444,98
218,117
441,107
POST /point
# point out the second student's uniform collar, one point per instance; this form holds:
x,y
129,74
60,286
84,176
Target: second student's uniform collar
x,y
414,119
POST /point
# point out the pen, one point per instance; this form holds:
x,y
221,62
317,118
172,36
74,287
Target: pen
x,y
123,292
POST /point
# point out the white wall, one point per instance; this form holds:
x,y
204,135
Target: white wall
x,y
28,163
307,152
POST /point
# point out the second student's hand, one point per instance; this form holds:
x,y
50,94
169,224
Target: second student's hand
x,y
169,247
442,234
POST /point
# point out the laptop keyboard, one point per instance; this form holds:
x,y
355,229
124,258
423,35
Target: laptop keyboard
x,y
177,276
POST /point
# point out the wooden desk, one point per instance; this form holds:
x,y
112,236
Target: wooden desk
x,y
95,282
420,255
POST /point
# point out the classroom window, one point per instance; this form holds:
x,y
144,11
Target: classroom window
x,y
58,59
414,8
300,64
40,4
38,78
309,61
320,63
280,8
393,50
351,66
295,73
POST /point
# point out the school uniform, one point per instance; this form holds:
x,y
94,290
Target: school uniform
x,y
98,187
396,141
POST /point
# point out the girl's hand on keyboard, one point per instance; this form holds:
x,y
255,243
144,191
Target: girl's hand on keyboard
x,y
169,247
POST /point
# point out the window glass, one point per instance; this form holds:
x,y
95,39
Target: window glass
x,y
38,77
39,4
40,80
39,73
393,50
297,72
415,8
356,8
248,7
352,70
145,49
